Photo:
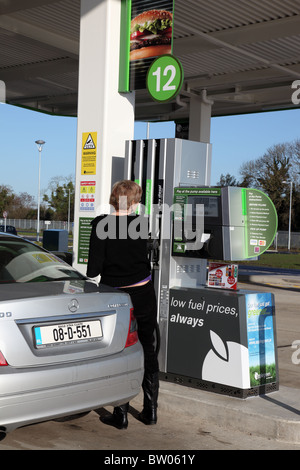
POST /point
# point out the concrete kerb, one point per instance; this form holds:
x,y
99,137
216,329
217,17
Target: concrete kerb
x,y
284,281
274,416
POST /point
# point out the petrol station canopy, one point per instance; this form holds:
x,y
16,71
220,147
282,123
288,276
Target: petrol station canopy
x,y
242,55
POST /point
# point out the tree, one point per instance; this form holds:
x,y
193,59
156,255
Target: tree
x,y
62,195
295,161
296,208
227,180
268,174
250,173
22,206
6,199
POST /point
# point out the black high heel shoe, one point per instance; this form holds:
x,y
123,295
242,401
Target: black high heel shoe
x,y
119,417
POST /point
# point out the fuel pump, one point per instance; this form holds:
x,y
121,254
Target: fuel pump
x,y
204,332
159,165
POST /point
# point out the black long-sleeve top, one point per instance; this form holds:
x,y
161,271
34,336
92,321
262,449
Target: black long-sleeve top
x,y
118,250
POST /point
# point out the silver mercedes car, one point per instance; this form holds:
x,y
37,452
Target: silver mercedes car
x,y
66,345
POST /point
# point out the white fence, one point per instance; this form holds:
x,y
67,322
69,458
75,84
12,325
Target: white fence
x,y
280,241
28,224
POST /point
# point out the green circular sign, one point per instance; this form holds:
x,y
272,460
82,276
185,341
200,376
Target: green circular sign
x,y
164,78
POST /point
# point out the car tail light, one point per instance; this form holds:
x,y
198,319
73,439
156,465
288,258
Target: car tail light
x,y
132,336
3,361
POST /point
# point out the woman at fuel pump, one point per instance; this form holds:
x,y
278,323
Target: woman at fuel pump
x,y
123,263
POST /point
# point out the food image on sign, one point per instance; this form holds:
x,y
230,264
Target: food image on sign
x,y
148,34
151,34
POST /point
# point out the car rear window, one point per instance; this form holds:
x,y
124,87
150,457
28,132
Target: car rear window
x,y
21,261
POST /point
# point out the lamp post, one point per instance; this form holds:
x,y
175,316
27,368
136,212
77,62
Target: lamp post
x,y
39,144
290,212
69,210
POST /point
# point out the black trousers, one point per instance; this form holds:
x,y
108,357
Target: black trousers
x,y
145,311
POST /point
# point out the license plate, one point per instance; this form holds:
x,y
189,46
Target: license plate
x,y
67,333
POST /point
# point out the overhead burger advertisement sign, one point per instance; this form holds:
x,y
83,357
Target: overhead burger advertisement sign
x,y
146,33
151,34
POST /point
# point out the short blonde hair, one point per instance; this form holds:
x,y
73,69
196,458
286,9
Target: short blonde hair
x,y
124,194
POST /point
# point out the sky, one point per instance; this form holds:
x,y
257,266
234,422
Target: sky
x,y
234,139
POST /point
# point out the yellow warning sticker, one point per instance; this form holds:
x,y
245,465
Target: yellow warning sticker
x,y
88,153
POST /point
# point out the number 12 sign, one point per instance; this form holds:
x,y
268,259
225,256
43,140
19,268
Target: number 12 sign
x,y
165,78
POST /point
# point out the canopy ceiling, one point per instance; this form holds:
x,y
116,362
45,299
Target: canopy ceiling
x,y
243,54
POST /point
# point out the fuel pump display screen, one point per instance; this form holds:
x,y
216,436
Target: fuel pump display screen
x,y
197,198
190,205
211,205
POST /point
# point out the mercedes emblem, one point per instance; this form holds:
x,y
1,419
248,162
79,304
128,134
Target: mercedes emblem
x,y
73,305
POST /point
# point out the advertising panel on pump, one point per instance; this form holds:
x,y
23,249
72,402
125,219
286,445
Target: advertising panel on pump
x,y
226,338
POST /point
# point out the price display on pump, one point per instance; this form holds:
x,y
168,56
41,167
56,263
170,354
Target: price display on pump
x,y
165,78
